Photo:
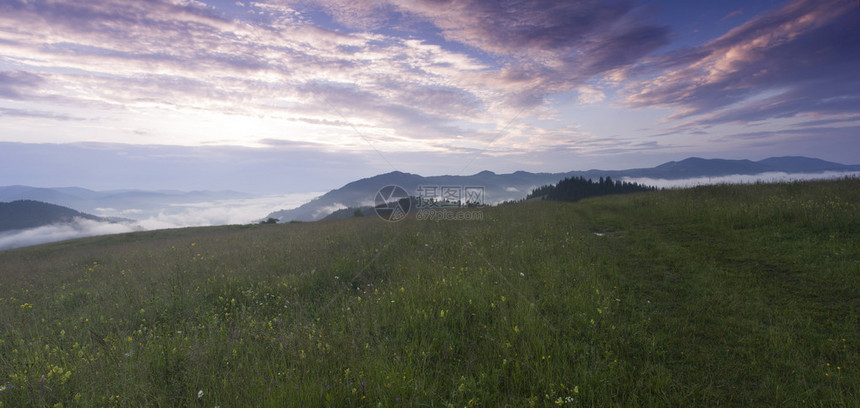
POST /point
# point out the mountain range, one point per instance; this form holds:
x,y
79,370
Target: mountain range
x,y
139,203
514,186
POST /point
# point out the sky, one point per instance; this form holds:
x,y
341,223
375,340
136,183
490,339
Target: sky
x,y
291,96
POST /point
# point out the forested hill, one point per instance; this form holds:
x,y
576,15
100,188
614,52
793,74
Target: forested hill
x,y
577,188
23,214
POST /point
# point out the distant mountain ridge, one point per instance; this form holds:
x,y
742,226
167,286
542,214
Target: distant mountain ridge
x,y
503,187
94,201
699,167
25,214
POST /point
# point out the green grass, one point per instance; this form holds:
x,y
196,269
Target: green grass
x,y
712,296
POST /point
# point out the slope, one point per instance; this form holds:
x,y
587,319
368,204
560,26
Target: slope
x,y
23,214
714,296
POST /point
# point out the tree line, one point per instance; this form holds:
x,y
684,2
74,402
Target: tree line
x,y
577,188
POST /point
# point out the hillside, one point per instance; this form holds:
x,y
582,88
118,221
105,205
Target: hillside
x,y
515,186
23,214
712,296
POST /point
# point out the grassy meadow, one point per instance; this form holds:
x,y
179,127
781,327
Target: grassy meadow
x,y
712,296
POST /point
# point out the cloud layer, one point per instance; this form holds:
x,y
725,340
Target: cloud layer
x,y
477,64
216,212
509,80
79,228
800,59
769,177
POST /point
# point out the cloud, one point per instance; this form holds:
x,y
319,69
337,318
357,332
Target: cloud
x,y
801,133
124,57
737,12
221,212
78,228
797,60
451,78
476,66
547,46
216,212
13,83
113,212
21,113
324,211
770,177
501,27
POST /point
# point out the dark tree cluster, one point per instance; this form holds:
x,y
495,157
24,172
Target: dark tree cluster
x,y
577,188
541,191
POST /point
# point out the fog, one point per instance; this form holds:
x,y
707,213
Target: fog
x,y
78,228
772,177
218,212
324,211
251,210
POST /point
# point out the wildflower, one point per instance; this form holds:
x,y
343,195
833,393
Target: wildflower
x,y
199,394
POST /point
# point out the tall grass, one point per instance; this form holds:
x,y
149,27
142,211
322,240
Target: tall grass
x,y
712,296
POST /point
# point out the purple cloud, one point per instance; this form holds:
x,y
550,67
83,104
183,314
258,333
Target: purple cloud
x,y
13,83
21,113
796,60
558,45
124,56
542,47
413,75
